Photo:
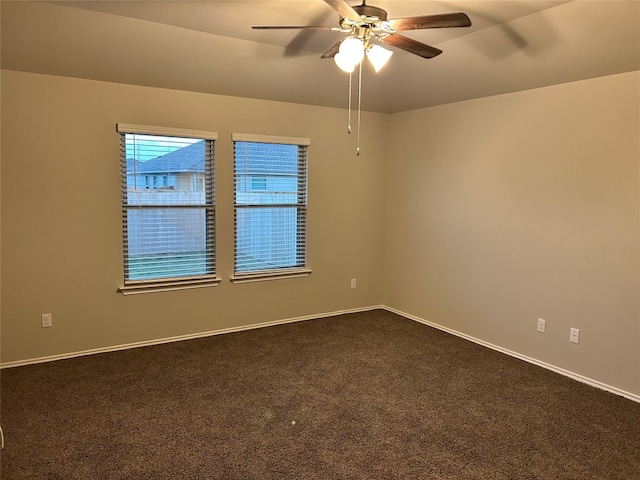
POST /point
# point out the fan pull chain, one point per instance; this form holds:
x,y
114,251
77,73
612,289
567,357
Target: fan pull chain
x,y
349,120
359,106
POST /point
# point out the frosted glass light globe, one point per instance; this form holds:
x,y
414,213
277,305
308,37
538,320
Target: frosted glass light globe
x,y
378,56
344,62
353,48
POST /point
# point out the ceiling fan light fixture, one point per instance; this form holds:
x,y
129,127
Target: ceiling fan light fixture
x,y
378,56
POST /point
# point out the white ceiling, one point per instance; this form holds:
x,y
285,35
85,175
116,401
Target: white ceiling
x,y
208,46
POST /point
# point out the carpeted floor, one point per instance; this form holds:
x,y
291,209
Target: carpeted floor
x,y
369,396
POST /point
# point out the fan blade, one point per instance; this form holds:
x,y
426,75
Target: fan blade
x,y
412,46
333,50
445,20
344,9
295,27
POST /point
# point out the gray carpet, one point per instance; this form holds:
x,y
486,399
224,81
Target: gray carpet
x,y
361,396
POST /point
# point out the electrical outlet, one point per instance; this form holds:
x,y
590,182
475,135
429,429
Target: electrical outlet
x,y
353,283
47,321
574,335
542,325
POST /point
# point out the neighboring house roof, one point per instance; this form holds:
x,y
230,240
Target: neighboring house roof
x,y
185,159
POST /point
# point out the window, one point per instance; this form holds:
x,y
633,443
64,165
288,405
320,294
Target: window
x,y
270,176
168,226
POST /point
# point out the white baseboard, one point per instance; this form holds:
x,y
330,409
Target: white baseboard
x,y
539,363
159,341
146,343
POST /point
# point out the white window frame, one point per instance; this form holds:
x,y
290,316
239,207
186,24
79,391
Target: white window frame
x,y
169,283
279,273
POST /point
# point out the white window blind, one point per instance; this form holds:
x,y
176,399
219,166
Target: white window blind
x,y
168,208
270,177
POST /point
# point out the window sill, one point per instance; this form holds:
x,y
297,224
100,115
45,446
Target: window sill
x,y
167,286
270,275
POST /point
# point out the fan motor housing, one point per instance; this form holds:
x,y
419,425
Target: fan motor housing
x,y
371,11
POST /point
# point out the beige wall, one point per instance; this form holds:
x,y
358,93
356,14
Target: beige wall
x,y
480,216
505,209
61,224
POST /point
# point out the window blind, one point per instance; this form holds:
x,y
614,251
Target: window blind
x,y
168,207
270,221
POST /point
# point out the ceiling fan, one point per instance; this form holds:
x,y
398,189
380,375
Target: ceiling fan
x,y
368,26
